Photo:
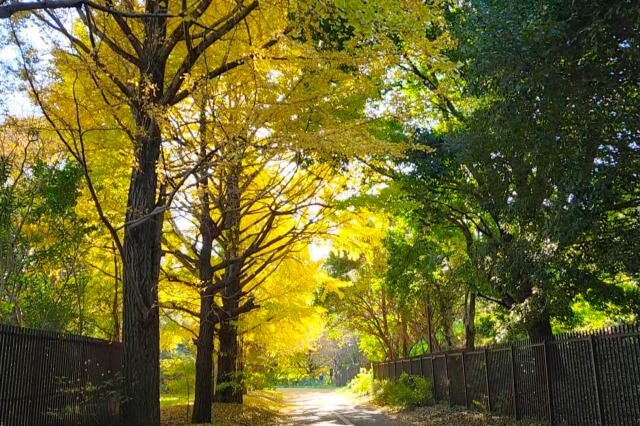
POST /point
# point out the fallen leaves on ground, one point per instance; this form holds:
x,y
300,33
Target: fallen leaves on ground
x,y
259,409
441,415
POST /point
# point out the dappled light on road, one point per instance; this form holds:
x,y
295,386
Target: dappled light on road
x,y
331,407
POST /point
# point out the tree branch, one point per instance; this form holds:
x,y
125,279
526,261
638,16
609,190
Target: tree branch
x,y
8,10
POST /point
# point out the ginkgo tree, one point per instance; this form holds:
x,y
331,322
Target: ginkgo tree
x,y
137,61
252,204
286,303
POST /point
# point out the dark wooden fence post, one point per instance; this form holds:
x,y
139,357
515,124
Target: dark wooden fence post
x,y
513,382
486,378
433,376
596,379
547,376
446,372
464,381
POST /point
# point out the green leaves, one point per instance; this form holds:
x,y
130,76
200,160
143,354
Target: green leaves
x,y
58,186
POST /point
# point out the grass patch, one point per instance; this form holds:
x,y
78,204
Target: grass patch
x,y
170,400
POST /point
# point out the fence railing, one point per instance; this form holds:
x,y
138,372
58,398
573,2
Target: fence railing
x,y
58,379
573,379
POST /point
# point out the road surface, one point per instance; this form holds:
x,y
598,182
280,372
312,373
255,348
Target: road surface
x,y
331,407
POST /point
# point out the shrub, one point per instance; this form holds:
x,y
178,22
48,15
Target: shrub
x,y
405,392
362,384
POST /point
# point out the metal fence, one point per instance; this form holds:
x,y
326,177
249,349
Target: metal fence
x,y
49,378
572,379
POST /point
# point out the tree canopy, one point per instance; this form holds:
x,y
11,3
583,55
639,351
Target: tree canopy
x,y
251,189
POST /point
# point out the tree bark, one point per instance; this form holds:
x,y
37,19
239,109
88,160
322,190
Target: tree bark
x,y
228,378
427,308
141,250
228,389
115,314
204,350
204,363
540,328
142,235
405,335
470,319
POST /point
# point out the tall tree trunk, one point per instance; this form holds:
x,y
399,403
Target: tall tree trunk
x,y
228,387
142,235
141,250
204,344
204,363
470,320
540,328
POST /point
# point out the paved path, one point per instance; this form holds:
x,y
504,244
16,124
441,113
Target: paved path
x,y
331,407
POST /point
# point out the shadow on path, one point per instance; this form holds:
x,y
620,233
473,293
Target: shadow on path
x,y
331,407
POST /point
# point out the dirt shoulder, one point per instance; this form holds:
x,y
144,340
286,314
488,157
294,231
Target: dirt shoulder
x,y
442,415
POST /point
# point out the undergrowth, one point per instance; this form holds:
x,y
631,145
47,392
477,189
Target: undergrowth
x,y
407,391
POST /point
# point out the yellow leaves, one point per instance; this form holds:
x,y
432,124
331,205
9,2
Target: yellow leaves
x,y
361,233
287,322
173,334
331,285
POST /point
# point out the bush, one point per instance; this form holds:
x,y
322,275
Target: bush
x,y
405,392
362,384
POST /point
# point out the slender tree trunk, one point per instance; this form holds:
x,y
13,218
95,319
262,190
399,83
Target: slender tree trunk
x,y
228,387
115,314
427,308
405,335
240,367
204,363
448,335
470,320
204,350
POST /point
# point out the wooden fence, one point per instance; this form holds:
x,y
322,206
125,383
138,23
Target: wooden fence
x,y
573,379
49,378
